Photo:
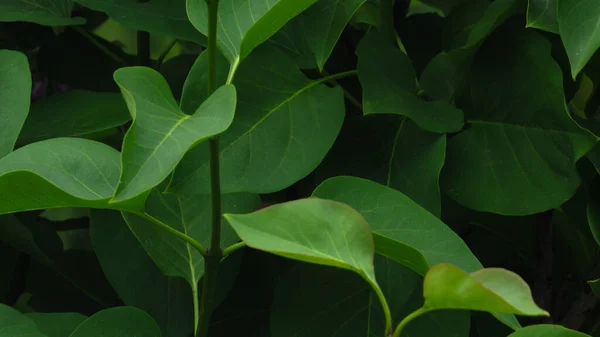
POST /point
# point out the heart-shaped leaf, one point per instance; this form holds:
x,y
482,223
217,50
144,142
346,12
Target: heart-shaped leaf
x,y
73,113
245,24
390,87
15,324
541,14
293,120
493,290
546,330
118,322
15,93
578,22
515,159
56,324
60,172
43,12
161,133
165,17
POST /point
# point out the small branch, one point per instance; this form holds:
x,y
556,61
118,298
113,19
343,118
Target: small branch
x,y
197,245
347,94
408,319
98,45
233,248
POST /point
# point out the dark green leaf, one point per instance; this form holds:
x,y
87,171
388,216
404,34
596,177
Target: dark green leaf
x,y
60,172
195,90
161,133
546,330
595,285
74,113
390,87
293,120
244,25
541,14
35,239
446,74
43,12
292,41
578,22
516,159
57,324
15,94
118,322
15,324
444,5
593,209
165,17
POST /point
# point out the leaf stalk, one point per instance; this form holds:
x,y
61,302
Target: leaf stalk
x,y
408,319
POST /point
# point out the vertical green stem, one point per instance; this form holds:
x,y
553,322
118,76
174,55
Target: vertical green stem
x,y
143,48
212,258
386,16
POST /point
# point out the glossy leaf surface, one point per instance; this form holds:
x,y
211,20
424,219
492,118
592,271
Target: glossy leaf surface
x,y
43,12
493,290
60,172
161,133
118,322
515,160
15,89
244,25
541,14
578,22
294,119
74,113
390,87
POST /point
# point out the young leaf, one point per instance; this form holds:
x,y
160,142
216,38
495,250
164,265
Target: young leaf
x,y
73,113
578,22
390,87
293,120
244,25
546,330
541,14
60,172
516,159
15,95
43,12
118,322
15,324
171,302
189,215
165,17
493,290
161,133
56,324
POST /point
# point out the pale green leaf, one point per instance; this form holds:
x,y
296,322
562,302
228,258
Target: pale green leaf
x,y
165,17
73,113
293,120
245,24
43,12
15,324
493,290
60,172
15,92
546,330
57,324
579,26
390,87
118,322
161,133
541,14
516,159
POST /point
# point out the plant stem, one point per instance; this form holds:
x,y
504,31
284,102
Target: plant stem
x,y
386,16
408,319
173,231
213,256
143,48
384,305
231,249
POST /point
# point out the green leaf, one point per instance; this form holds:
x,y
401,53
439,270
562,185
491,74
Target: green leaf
x,y
244,25
171,302
578,22
190,215
324,23
293,120
57,324
546,330
593,209
195,90
291,40
446,75
518,155
393,151
33,238
15,324
493,290
43,12
60,172
118,322
445,6
390,87
595,285
73,113
541,14
15,95
161,133
312,230
165,17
